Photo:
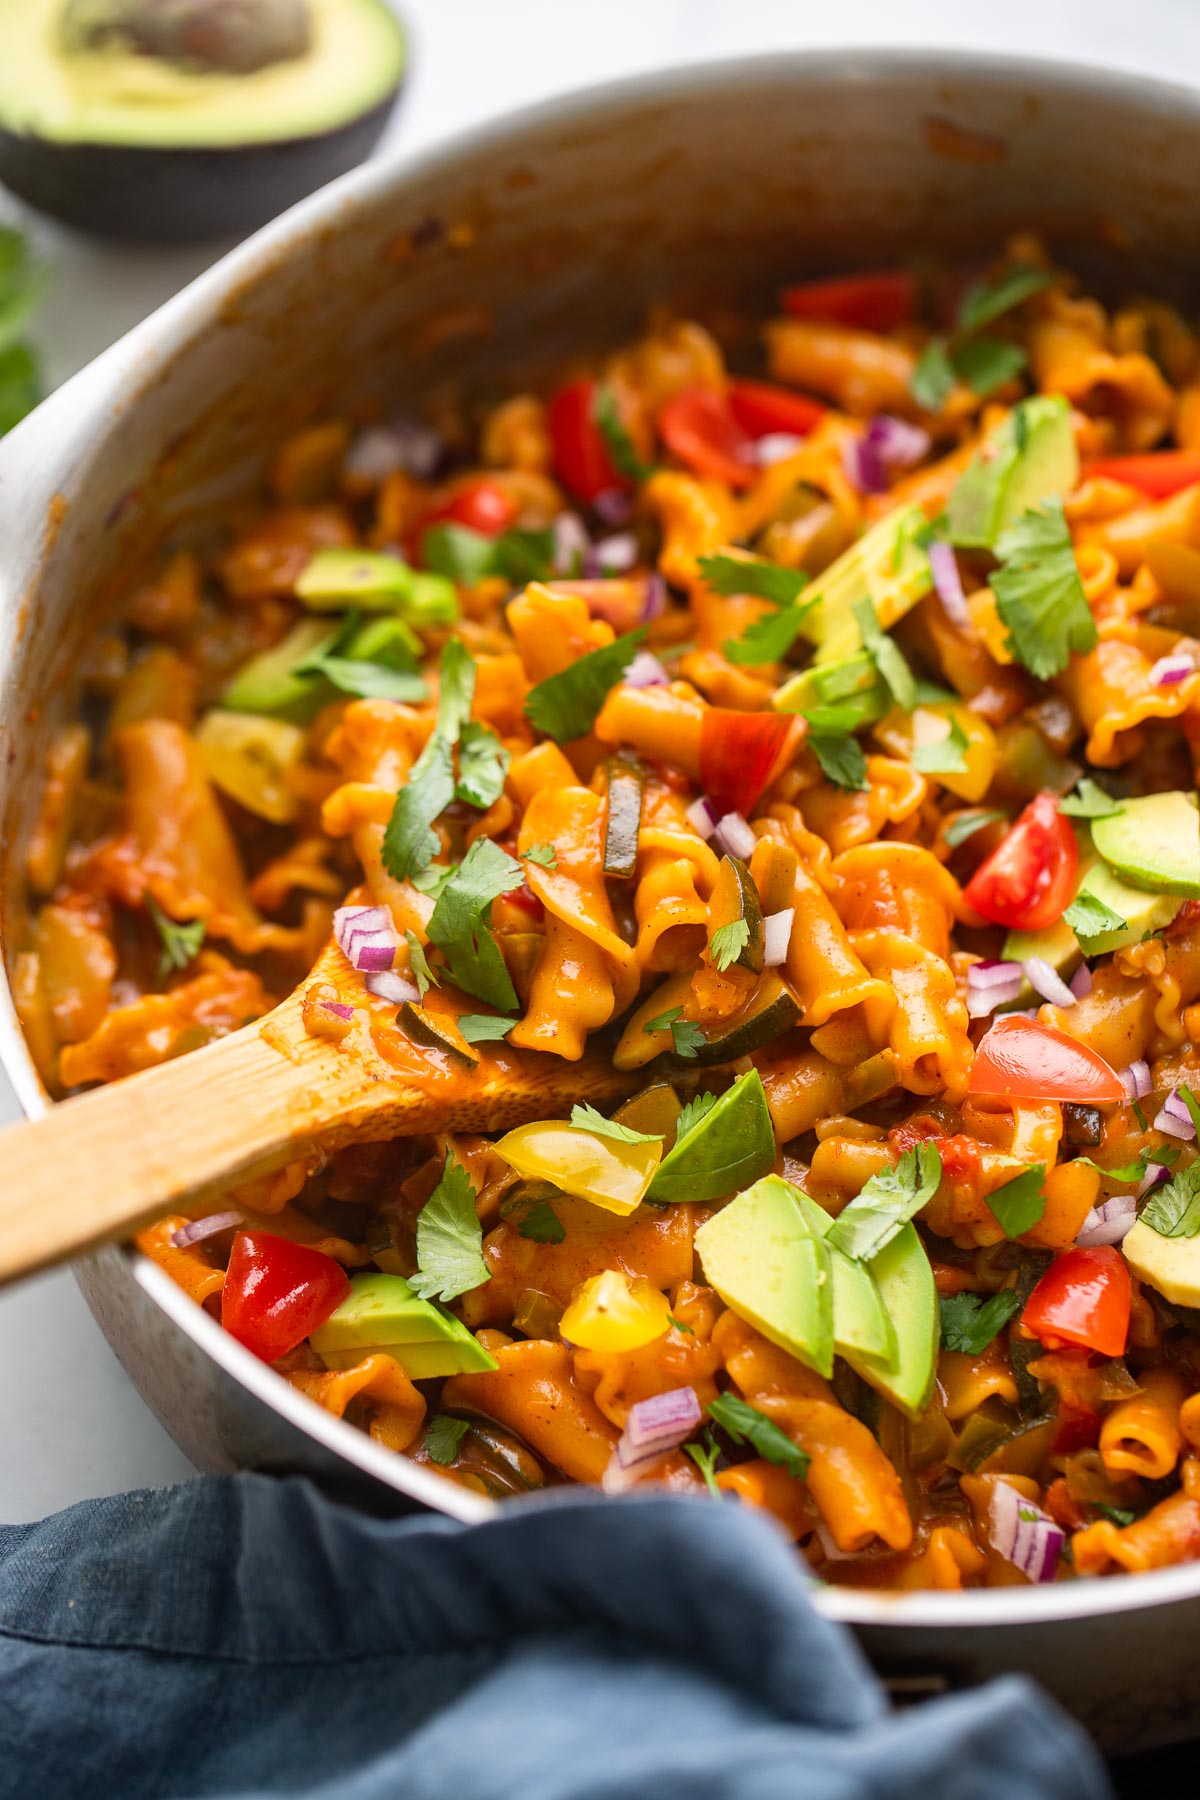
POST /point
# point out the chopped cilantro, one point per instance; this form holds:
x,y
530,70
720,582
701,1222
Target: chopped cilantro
x,y
544,855
887,1202
841,759
885,654
752,575
728,942
1174,1210
482,765
746,1425
20,384
483,1028
1117,1515
678,1325
705,1455
967,824
567,705
971,1321
986,364
686,1038
366,679
933,378
449,1239
1039,595
1135,1171
418,964
696,1109
586,1118
1089,801
768,639
542,1225
984,303
460,923
1020,1203
1139,1115
444,1436
469,557
1089,917
945,755
622,451
410,842
180,943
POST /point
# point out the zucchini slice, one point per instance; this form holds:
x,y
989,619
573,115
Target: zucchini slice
x,y
438,1031
626,780
735,902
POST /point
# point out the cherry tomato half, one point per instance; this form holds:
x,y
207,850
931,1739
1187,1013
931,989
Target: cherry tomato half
x,y
1159,475
277,1292
483,505
1022,1060
581,459
761,408
1029,880
873,302
741,754
699,428
1083,1298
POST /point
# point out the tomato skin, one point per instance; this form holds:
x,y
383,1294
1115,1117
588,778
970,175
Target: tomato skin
x,y
1022,1060
277,1292
482,505
525,900
1078,1429
699,428
1029,879
581,459
742,753
960,1154
878,301
1083,1298
761,409
1159,474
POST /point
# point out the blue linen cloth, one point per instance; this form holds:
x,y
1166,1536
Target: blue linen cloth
x,y
244,1637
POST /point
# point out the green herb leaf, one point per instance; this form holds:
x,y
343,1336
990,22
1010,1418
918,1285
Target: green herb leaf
x,y
1118,1515
1089,917
418,964
1020,1203
586,1118
678,1325
482,765
1039,595
1135,1172
1089,801
705,1455
686,1038
1174,1210
410,842
449,1239
432,880
566,706
180,943
986,364
967,824
20,384
768,639
1190,1101
460,924
933,378
483,1028
542,1225
443,1437
544,855
885,654
986,301
841,759
606,415
366,680
456,689
522,556
1139,1115
886,1203
458,552
946,755
746,1425
728,942
752,575
971,1321
696,1109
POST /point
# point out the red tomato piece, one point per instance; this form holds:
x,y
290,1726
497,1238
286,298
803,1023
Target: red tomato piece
x,y
741,754
959,1153
874,302
1078,1429
1083,1298
699,428
760,409
1160,474
525,900
1029,879
482,505
277,1292
1022,1060
581,459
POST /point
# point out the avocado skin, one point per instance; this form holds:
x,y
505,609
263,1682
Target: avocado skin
x,y
144,194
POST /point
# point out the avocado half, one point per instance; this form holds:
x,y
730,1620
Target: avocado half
x,y
179,120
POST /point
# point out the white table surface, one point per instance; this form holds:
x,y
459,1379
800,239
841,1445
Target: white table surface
x,y
71,1424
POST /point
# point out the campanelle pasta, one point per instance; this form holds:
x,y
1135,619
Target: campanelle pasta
x,y
819,743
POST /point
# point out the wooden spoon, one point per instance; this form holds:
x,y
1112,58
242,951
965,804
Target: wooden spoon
x,y
101,1165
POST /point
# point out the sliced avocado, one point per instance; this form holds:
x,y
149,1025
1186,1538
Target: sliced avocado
x,y
382,1316
268,683
886,566
859,1321
1029,456
731,1146
389,641
185,120
1142,912
773,1270
623,818
735,901
904,1276
1154,843
1057,945
1169,1264
438,1031
854,683
337,578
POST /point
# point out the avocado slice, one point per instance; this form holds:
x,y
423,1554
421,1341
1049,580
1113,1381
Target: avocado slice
x,y
376,582
854,683
735,901
773,1270
904,1277
183,121
1030,456
623,818
1154,843
1057,945
381,1316
859,1321
886,566
1142,912
268,683
1169,1264
731,1146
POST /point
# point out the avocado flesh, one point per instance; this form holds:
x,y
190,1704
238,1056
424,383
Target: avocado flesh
x,y
904,1277
732,1145
1171,1265
859,1321
1030,456
381,1316
1154,843
772,1269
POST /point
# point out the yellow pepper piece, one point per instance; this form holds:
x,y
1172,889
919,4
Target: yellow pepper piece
x,y
600,1169
615,1311
900,733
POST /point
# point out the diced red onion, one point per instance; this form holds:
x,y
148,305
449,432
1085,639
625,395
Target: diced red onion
x,y
390,985
1170,669
654,601
898,444
645,671
1174,1118
1155,1172
864,466
660,1423
572,544
366,936
1081,982
990,974
992,984
946,579
734,836
702,816
339,1008
1047,982
611,555
196,1230
405,444
1109,1223
777,935
1023,1534
776,447
614,507
1137,1080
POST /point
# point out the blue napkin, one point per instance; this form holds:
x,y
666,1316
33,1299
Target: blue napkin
x,y
244,1637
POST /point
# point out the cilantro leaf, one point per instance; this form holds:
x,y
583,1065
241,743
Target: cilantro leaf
x,y
752,575
542,1225
768,639
544,855
1174,1210
443,1437
746,1425
696,1109
1089,801
885,654
945,755
686,1038
469,557
728,942
366,680
432,880
586,1118
1117,1515
933,378
410,842
567,705
841,759
1135,1171
456,689
887,1202
986,301
970,1322
20,384
967,824
180,943
418,964
482,765
1089,917
705,1455
1020,1203
678,1325
986,364
483,1028
523,555
449,1239
1039,595
622,451
460,923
